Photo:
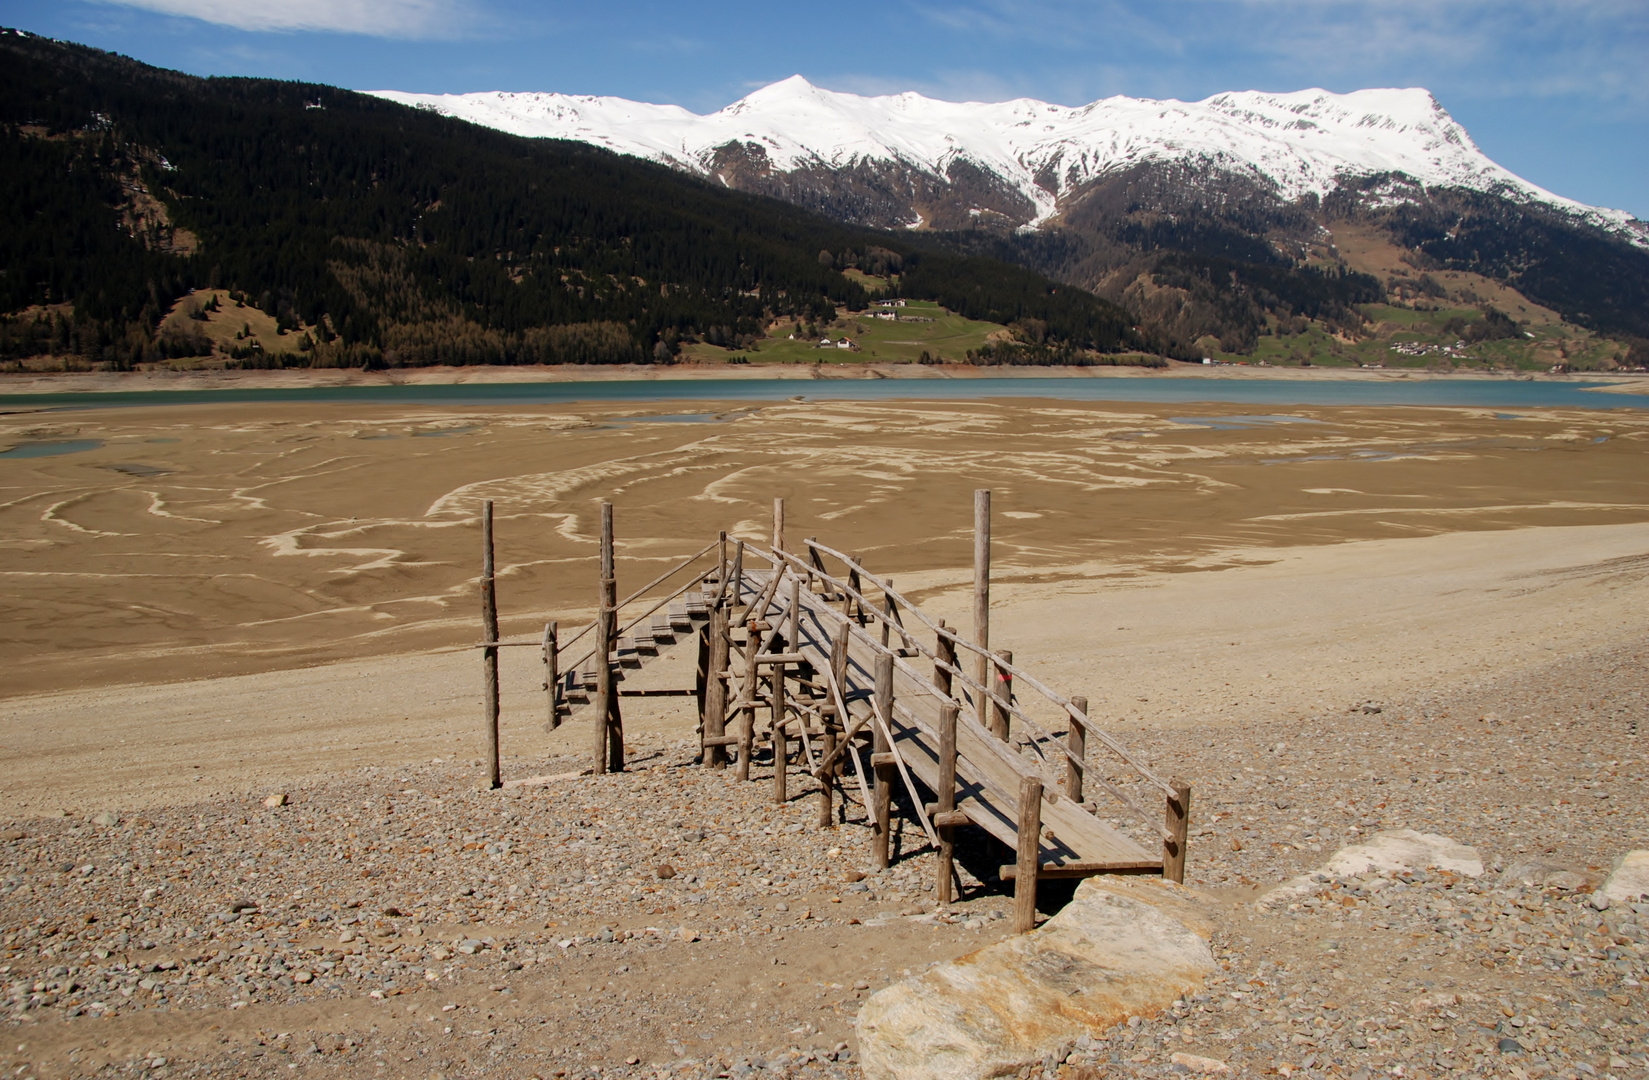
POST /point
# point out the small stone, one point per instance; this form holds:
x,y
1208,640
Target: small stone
x,y
1509,1045
666,871
1599,901
1205,1065
782,906
277,799
1236,845
301,976
106,819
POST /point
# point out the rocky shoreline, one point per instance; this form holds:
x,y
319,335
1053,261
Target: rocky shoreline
x,y
669,921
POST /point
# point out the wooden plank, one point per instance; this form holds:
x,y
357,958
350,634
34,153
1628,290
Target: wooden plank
x,y
989,772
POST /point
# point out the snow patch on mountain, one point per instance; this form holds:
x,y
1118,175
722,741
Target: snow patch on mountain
x,y
1307,142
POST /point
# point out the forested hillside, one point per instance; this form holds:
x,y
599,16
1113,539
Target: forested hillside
x,y
379,234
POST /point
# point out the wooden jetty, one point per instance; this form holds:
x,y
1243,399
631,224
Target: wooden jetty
x,y
809,656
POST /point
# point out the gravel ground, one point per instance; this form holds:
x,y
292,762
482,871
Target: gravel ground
x,y
398,922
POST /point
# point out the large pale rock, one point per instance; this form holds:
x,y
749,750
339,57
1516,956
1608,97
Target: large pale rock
x,y
1405,849
1630,878
1395,850
1121,947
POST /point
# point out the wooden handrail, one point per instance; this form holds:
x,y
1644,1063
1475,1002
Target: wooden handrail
x,y
1019,673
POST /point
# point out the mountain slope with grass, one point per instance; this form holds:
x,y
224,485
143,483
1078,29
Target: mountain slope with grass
x,y
148,207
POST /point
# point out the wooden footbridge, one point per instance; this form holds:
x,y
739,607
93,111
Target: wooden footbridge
x,y
807,657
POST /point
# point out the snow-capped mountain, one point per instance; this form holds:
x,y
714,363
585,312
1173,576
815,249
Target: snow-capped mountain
x,y
1020,160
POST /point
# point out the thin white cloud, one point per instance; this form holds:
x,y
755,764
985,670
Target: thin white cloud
x,y
373,18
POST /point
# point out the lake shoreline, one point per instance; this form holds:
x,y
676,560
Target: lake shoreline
x,y
94,382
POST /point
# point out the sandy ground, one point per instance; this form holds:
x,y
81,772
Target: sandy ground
x,y
1271,632
281,598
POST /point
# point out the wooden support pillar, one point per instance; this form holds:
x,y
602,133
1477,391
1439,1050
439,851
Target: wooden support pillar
x,y
552,673
887,609
946,793
781,741
714,720
982,597
778,524
735,577
1076,741
793,625
1001,685
827,782
838,678
1178,820
945,651
882,794
747,696
1029,862
489,654
609,723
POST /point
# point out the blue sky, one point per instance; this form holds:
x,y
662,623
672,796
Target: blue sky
x,y
1556,90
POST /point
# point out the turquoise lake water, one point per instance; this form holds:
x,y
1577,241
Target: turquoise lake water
x,y
1436,392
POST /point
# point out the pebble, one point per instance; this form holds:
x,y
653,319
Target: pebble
x,y
1423,971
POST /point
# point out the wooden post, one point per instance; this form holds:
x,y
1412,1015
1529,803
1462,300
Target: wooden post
x,y
827,782
838,677
735,576
552,672
1076,741
781,741
1029,863
946,793
1001,685
982,596
609,724
793,625
489,654
721,561
882,796
1178,820
945,650
747,697
715,689
887,609
778,524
